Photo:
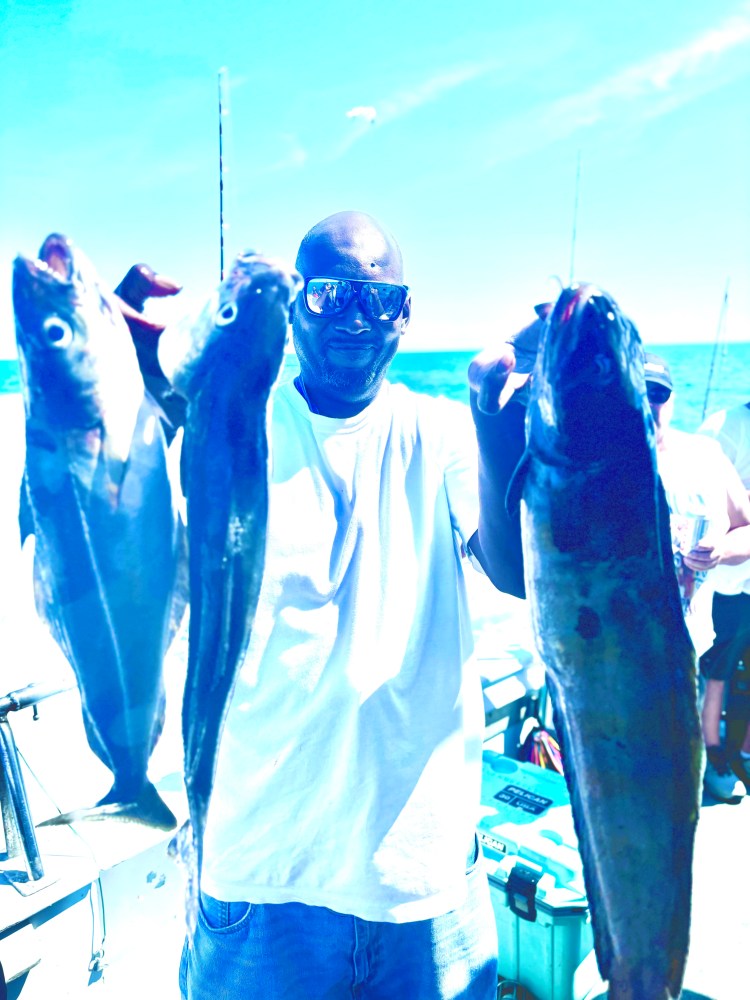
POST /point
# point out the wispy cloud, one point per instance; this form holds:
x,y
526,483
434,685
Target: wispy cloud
x,y
644,91
358,121
293,156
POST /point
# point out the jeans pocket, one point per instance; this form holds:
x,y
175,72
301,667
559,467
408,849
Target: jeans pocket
x,y
221,916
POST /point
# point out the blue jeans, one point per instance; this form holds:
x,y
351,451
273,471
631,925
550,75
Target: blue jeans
x,y
289,951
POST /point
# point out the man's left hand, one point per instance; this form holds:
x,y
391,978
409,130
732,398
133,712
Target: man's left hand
x,y
501,373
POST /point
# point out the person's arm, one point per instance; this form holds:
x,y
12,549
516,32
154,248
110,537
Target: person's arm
x,y
732,548
497,542
140,284
498,384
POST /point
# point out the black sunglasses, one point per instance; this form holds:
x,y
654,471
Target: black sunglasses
x,y
657,393
378,300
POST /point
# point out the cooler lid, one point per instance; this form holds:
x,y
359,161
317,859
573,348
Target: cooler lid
x,y
526,818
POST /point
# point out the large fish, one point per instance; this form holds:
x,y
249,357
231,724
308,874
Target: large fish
x,y
607,618
97,496
225,366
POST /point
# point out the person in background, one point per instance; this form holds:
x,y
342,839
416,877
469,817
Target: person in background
x,y
710,523
731,603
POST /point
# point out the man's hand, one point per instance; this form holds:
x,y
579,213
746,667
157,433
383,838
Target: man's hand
x,y
501,373
495,377
139,284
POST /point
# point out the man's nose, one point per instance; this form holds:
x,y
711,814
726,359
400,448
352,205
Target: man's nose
x,y
352,320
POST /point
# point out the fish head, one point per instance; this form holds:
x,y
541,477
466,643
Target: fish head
x,y
588,389
243,328
73,343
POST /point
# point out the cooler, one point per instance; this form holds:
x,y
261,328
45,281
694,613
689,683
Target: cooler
x,y
535,874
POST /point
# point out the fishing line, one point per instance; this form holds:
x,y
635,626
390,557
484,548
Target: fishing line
x,y
575,220
719,329
224,123
40,784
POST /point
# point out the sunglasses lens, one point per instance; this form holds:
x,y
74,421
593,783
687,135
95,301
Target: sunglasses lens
x,y
327,296
383,302
378,300
658,394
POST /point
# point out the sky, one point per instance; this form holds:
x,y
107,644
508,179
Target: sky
x,y
509,147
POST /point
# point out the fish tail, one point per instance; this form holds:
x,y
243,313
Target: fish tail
x,y
148,809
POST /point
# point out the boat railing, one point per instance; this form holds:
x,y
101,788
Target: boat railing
x,y
18,827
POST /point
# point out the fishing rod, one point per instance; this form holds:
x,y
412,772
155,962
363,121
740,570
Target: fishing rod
x,y
223,112
719,329
575,220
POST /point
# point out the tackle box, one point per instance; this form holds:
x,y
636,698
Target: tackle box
x,y
535,873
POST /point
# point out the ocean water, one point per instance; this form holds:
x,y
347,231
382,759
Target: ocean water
x,y
697,369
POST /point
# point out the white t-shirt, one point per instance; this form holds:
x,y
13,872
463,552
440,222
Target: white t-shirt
x,y
349,769
731,429
694,471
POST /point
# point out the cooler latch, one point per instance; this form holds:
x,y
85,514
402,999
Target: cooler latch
x,y
521,889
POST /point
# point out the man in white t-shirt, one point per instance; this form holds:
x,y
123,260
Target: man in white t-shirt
x,y
340,857
710,520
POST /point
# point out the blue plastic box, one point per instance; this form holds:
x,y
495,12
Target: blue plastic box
x,y
535,873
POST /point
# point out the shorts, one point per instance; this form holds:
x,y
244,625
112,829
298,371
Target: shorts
x,y
731,615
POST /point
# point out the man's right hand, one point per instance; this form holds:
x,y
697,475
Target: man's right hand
x,y
139,284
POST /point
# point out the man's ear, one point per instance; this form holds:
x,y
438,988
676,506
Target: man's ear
x,y
405,315
291,311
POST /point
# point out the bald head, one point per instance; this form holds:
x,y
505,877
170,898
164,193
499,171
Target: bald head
x,y
353,245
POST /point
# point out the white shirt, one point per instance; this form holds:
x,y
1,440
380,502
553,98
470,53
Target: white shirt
x,y
694,472
731,429
349,769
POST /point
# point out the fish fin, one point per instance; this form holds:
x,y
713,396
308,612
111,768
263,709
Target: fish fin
x,y
149,809
517,483
599,923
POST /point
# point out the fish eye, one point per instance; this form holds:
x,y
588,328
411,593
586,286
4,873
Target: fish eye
x,y
226,315
58,332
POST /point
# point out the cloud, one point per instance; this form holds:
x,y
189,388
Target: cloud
x,y
367,112
647,90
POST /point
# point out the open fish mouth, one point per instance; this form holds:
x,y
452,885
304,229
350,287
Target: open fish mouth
x,y
589,376
56,255
588,341
55,264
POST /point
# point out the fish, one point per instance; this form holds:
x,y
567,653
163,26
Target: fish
x,y
97,496
225,365
609,628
